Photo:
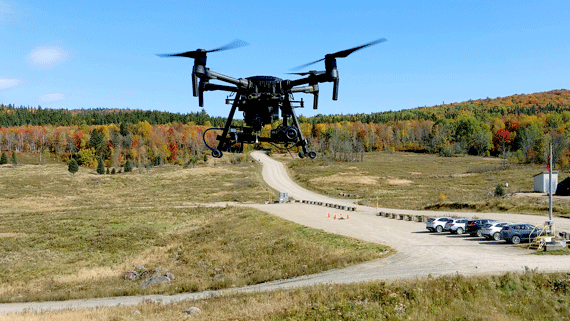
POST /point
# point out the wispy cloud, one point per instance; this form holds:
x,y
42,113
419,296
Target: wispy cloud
x,y
51,98
47,57
9,12
6,83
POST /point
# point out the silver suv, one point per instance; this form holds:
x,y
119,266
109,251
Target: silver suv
x,y
456,225
437,224
493,230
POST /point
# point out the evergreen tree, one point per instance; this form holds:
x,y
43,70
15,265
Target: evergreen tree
x,y
3,159
100,166
73,167
13,159
113,171
128,166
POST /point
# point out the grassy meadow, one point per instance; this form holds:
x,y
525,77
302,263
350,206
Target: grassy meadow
x,y
428,182
66,236
513,296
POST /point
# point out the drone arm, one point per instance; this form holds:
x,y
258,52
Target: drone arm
x,y
242,83
313,89
211,87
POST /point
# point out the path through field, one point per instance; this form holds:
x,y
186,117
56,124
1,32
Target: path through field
x,y
419,253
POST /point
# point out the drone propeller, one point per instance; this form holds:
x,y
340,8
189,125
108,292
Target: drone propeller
x,y
342,53
312,73
195,53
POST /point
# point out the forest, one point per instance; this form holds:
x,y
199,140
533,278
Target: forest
x,y
518,127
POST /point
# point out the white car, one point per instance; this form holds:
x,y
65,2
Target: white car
x,y
456,225
492,231
437,224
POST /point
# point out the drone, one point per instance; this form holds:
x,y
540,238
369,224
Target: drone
x,y
262,99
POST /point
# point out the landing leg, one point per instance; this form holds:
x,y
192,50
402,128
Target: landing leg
x,y
224,139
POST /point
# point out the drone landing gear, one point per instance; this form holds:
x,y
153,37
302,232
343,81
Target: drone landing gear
x,y
311,154
216,153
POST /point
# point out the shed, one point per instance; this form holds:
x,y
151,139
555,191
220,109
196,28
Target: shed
x,y
541,182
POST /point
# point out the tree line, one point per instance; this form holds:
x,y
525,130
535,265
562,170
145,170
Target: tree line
x,y
11,116
511,127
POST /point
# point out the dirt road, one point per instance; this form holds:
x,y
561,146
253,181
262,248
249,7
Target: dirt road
x,y
419,253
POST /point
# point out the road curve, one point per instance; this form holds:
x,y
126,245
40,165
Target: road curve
x,y
419,253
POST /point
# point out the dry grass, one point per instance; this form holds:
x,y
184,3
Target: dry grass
x,y
73,236
418,181
512,296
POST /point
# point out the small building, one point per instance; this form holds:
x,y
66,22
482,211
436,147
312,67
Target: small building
x,y
541,182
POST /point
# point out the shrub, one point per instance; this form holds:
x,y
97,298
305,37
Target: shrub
x,y
499,190
73,167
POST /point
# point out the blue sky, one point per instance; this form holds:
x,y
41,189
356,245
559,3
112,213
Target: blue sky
x,y
75,54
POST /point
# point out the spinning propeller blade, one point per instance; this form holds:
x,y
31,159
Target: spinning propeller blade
x,y
342,53
312,73
193,54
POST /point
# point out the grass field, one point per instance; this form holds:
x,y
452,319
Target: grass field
x,y
424,181
512,296
68,236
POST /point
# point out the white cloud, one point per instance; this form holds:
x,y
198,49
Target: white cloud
x,y
51,98
47,57
8,12
6,83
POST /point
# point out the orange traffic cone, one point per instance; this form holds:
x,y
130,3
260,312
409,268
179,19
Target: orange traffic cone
x,y
335,216
347,216
329,215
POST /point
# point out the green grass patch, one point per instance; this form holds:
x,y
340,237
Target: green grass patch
x,y
422,181
65,236
511,296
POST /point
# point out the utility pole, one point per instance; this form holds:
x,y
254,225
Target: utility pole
x,y
550,222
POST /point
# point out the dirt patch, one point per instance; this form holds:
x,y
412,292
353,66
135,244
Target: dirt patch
x,y
8,235
398,182
347,179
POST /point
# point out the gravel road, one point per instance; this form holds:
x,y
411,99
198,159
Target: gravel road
x,y
419,253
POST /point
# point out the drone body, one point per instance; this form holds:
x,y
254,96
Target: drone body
x,y
261,99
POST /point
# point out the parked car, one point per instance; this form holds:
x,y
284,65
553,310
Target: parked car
x,y
520,232
437,224
492,231
474,226
456,225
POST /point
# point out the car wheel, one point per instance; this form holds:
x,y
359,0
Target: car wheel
x,y
496,236
459,231
516,239
439,228
479,233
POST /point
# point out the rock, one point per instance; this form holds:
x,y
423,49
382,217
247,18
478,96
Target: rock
x,y
169,275
137,312
131,275
155,280
192,310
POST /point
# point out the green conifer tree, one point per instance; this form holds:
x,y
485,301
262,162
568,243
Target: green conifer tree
x,y
100,166
13,159
3,159
73,167
128,166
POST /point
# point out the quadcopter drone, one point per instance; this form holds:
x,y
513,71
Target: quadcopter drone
x,y
261,98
